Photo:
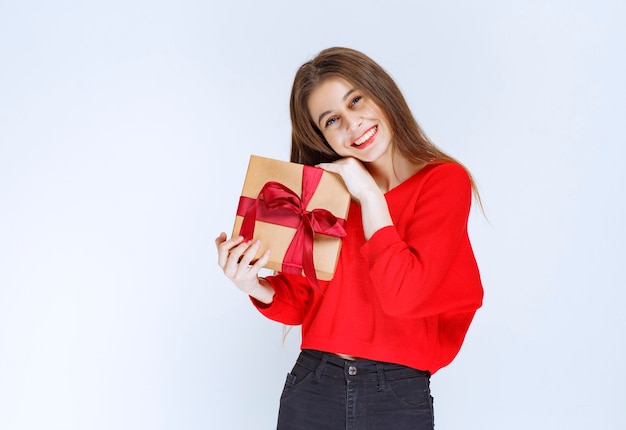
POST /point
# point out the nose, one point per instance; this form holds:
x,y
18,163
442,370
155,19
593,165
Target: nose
x,y
353,121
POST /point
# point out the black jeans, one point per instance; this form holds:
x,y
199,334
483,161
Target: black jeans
x,y
325,392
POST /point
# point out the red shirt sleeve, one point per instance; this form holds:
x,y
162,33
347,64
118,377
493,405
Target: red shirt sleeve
x,y
418,269
291,298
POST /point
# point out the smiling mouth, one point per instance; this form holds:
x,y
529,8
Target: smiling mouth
x,y
367,136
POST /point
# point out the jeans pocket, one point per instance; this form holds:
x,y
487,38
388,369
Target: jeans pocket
x,y
413,392
289,382
297,375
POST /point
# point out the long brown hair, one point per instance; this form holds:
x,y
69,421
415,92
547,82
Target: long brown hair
x,y
308,145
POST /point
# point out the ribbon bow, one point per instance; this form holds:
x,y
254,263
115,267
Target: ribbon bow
x,y
280,205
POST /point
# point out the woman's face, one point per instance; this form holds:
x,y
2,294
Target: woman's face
x,y
353,125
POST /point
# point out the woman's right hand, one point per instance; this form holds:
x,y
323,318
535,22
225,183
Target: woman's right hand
x,y
234,257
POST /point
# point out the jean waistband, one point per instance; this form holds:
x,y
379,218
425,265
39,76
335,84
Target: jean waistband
x,y
333,365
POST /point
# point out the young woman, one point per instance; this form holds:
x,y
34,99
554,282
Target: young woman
x,y
406,286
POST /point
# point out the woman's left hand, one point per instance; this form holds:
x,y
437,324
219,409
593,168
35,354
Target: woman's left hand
x,y
365,191
357,179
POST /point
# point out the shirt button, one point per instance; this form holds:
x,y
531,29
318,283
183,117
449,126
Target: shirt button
x,y
352,370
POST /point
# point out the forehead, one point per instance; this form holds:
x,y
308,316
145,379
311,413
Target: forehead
x,y
328,94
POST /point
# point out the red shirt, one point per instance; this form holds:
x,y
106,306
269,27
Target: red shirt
x,y
408,294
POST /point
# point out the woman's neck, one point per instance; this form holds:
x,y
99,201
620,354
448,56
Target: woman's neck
x,y
391,171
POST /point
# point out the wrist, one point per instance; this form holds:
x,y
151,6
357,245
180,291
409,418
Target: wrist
x,y
262,291
254,288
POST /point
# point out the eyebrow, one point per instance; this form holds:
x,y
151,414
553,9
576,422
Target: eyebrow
x,y
345,97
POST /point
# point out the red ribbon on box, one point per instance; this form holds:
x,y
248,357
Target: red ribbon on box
x,y
278,204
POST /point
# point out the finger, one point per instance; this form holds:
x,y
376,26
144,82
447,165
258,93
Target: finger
x,y
220,239
222,242
252,272
261,262
330,167
225,247
232,265
250,253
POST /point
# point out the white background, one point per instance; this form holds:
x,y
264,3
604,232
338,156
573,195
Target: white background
x,y
125,131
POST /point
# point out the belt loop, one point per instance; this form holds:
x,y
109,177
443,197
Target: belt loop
x,y
320,367
382,382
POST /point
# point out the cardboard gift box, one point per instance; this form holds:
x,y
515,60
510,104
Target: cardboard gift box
x,y
297,212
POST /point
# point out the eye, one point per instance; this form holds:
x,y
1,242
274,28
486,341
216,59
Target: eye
x,y
330,121
355,100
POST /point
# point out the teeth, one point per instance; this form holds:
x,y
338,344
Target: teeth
x,y
365,137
